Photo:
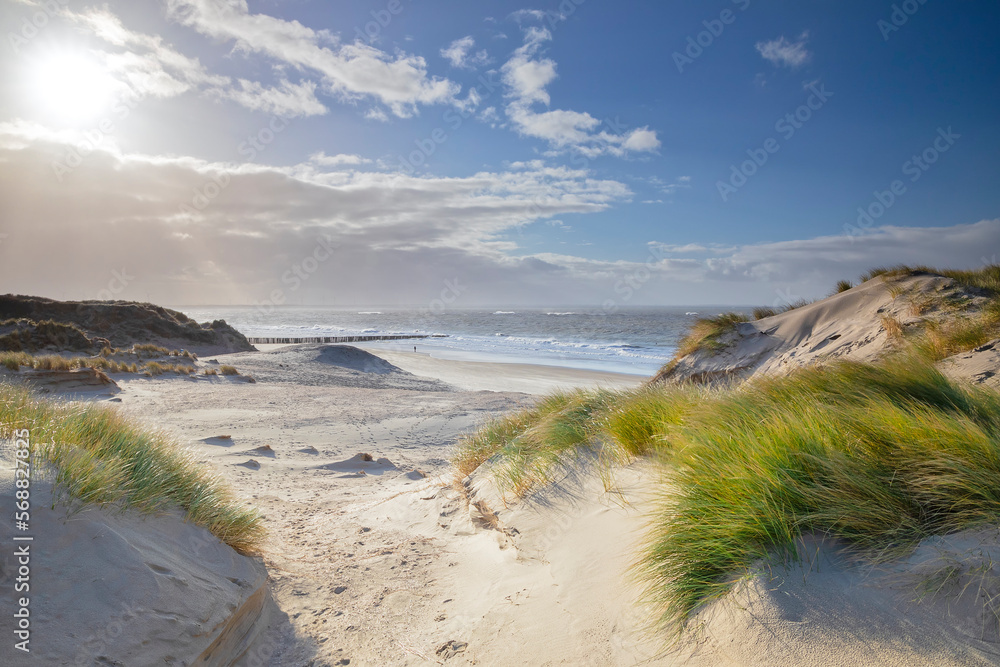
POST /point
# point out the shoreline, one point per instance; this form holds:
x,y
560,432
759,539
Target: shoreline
x,y
494,376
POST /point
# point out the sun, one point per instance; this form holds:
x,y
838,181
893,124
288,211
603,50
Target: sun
x,y
72,87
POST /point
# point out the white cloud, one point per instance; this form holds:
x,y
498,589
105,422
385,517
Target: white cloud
x,y
151,68
400,235
641,140
522,15
680,183
325,160
490,116
459,54
526,76
782,52
350,71
396,237
288,99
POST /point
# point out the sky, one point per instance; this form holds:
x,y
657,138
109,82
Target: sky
x,y
416,152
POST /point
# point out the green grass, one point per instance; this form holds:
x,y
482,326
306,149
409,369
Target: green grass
x,y
879,456
101,457
706,332
761,312
842,286
960,334
527,444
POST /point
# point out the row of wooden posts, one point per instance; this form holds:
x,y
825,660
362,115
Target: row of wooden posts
x,y
332,339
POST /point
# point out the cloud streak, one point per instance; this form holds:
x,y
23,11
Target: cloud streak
x,y
349,71
783,53
527,74
459,54
395,237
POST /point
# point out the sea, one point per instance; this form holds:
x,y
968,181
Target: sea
x,y
636,341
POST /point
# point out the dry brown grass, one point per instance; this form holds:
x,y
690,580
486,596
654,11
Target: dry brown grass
x,y
893,327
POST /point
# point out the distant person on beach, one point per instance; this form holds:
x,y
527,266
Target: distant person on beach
x,y
414,348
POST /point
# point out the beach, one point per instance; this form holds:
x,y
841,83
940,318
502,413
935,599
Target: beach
x,y
394,539
380,561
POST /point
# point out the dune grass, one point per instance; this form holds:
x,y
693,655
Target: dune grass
x,y
761,312
98,456
706,332
226,369
842,286
960,333
527,444
879,456
109,361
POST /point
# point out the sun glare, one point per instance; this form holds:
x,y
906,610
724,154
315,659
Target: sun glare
x,y
72,87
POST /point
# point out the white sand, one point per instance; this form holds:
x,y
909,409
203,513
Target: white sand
x,y
382,561
113,589
848,325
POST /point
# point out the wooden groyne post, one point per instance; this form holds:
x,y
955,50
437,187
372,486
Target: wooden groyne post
x,y
336,339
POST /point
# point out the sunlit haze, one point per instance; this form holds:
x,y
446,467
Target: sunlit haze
x,y
232,152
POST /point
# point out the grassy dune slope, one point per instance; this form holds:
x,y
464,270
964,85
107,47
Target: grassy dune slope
x,y
98,456
878,455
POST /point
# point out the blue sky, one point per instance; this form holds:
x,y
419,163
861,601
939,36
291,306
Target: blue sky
x,y
582,152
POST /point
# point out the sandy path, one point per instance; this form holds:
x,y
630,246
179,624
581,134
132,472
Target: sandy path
x,y
365,556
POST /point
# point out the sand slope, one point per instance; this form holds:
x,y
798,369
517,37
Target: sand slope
x,y
935,607
120,589
848,325
980,366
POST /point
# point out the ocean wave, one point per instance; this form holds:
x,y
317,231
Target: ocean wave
x,y
369,312
505,312
565,313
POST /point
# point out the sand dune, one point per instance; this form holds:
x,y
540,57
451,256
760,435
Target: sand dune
x,y
375,557
848,325
114,589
